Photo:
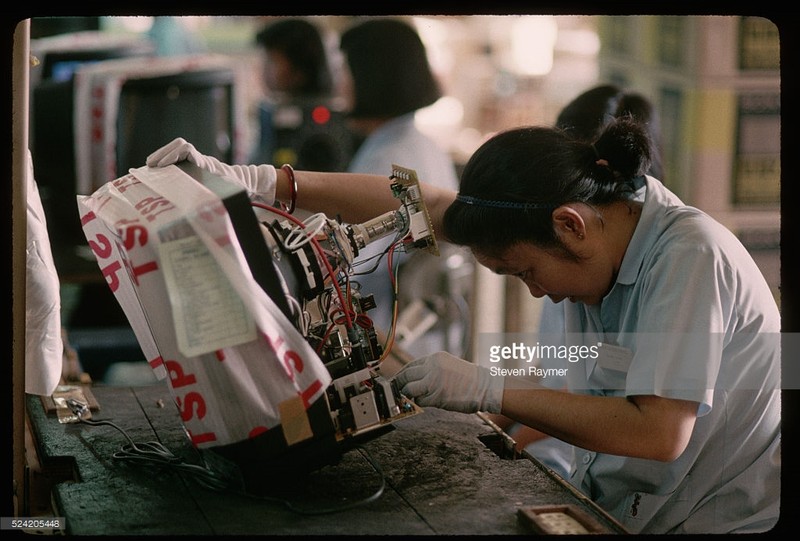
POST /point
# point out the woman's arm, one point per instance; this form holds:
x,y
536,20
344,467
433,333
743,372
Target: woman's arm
x,y
357,197
649,427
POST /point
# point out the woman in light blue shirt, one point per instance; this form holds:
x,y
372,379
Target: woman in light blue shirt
x,y
583,118
674,403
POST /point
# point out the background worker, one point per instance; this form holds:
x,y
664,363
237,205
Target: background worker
x,y
296,79
388,79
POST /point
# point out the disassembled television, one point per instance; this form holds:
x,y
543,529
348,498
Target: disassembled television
x,y
309,269
333,314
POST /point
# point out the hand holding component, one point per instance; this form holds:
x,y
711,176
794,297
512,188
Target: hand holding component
x,y
442,380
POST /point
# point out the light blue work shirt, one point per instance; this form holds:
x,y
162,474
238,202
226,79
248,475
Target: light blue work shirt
x,y
694,319
550,451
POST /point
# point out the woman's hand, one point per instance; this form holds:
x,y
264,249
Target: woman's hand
x,y
442,380
258,180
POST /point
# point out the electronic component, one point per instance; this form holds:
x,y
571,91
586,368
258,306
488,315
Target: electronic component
x,y
72,404
315,260
412,216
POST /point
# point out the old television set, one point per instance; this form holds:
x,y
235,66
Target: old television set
x,y
196,105
52,116
156,99
262,421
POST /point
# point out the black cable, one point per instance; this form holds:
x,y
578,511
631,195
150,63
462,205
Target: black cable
x,y
378,258
329,510
154,453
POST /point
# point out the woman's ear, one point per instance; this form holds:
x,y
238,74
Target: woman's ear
x,y
568,223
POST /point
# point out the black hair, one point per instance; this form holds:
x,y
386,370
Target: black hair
x,y
642,111
301,43
544,168
586,114
389,67
589,111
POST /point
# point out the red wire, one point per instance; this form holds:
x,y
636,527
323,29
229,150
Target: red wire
x,y
320,252
325,337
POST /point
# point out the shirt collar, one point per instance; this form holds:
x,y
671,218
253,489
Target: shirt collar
x,y
657,199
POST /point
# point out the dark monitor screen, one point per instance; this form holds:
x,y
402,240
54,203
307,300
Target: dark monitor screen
x,y
52,139
197,106
65,69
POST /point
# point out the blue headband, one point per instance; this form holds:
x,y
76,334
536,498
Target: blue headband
x,y
636,183
520,205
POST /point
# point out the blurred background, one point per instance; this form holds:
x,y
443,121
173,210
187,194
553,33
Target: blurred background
x,y
107,91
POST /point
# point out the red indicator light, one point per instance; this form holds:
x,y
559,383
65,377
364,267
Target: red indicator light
x,y
321,114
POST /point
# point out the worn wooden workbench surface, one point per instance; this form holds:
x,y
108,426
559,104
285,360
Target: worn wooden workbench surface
x,y
440,479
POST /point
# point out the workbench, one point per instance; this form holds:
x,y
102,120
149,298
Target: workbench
x,y
445,473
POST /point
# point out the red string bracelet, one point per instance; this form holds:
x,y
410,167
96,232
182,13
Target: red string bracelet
x,y
292,186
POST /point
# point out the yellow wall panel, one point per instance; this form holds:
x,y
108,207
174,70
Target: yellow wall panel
x,y
714,120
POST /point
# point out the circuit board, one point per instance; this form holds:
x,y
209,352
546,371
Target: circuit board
x,y
407,188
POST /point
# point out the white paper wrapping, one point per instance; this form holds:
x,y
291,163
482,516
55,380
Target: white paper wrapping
x,y
44,347
167,248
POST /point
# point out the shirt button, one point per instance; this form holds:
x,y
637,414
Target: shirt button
x,y
587,458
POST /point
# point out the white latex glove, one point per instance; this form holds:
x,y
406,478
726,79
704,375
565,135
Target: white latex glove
x,y
258,180
442,380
